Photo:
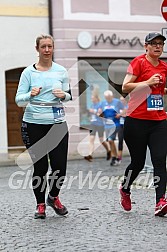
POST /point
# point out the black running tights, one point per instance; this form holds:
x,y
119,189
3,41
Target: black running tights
x,y
46,143
138,134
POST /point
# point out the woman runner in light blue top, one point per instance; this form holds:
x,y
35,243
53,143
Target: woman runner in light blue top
x,y
42,90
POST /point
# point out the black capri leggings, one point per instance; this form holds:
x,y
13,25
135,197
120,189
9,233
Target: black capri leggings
x,y
138,134
43,141
120,137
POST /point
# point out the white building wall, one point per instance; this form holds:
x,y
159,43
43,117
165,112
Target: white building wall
x,y
119,11
19,28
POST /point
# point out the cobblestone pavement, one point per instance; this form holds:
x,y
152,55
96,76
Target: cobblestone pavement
x,y
95,222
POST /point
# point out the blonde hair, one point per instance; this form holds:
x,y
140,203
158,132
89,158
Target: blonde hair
x,y
96,96
43,36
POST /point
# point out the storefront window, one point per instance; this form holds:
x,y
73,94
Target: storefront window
x,y
96,76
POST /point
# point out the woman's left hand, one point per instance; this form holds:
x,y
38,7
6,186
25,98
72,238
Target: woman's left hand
x,y
58,93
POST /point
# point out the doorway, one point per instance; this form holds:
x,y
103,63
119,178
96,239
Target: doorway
x,y
14,113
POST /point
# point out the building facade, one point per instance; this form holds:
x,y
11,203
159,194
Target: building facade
x,y
94,40
20,23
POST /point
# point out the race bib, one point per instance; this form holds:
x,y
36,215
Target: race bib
x,y
109,121
122,120
154,102
93,118
58,113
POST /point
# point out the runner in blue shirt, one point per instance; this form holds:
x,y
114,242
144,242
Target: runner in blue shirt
x,y
110,108
97,125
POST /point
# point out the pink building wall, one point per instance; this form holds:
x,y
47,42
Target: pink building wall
x,y
127,20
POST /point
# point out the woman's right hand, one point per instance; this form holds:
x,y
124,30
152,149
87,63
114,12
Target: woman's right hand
x,y
155,80
35,91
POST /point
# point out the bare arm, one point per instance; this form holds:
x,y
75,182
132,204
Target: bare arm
x,y
129,82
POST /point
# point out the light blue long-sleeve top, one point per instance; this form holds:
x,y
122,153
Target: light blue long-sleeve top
x,y
39,109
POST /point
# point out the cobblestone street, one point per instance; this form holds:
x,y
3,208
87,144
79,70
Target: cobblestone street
x,y
95,221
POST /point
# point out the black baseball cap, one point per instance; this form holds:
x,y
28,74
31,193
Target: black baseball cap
x,y
154,35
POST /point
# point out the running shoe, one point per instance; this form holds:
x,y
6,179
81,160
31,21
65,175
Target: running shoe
x,y
125,200
88,158
40,211
114,161
57,206
161,207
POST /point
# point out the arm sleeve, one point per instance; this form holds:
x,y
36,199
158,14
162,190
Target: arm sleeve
x,y
66,87
23,93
